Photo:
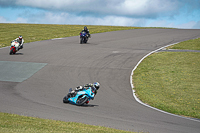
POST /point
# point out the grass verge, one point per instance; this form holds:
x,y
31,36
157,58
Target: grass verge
x,y
10,123
193,44
170,81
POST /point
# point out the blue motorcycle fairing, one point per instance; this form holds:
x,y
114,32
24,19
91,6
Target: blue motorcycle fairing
x,y
83,93
83,37
82,34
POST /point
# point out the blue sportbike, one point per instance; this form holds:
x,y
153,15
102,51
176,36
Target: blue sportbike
x,y
83,37
80,97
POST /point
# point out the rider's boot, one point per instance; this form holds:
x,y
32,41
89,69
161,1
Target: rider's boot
x,y
21,47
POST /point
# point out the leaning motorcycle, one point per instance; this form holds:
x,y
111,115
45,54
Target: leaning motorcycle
x,y
13,47
81,97
83,37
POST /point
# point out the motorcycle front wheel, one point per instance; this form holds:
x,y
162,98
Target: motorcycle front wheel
x,y
11,51
81,40
65,99
80,101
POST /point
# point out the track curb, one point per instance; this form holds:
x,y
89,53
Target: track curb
x,y
139,101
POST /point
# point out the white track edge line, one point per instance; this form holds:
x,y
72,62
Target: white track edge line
x,y
138,100
56,38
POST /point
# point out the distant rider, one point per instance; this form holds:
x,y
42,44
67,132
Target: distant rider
x,y
87,31
95,86
20,40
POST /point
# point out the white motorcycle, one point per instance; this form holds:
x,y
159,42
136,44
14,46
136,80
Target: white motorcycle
x,y
14,47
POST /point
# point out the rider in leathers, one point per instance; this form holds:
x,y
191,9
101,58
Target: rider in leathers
x,y
87,31
20,40
95,86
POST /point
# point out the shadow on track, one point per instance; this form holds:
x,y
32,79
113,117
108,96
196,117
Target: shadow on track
x,y
18,54
85,105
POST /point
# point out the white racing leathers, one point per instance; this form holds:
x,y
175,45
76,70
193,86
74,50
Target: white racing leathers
x,y
20,43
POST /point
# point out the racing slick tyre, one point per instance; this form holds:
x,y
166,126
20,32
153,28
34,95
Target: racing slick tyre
x,y
85,41
80,101
65,99
11,51
81,40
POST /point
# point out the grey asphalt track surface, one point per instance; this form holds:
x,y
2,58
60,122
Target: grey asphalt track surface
x,y
107,58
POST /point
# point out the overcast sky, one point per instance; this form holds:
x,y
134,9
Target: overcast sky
x,y
141,13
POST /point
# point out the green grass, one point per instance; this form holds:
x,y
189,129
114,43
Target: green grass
x,y
37,32
11,123
193,44
170,81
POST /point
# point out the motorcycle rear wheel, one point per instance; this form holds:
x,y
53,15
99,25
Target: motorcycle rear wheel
x,y
80,101
85,41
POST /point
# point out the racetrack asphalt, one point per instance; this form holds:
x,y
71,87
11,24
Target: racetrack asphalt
x,y
107,58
